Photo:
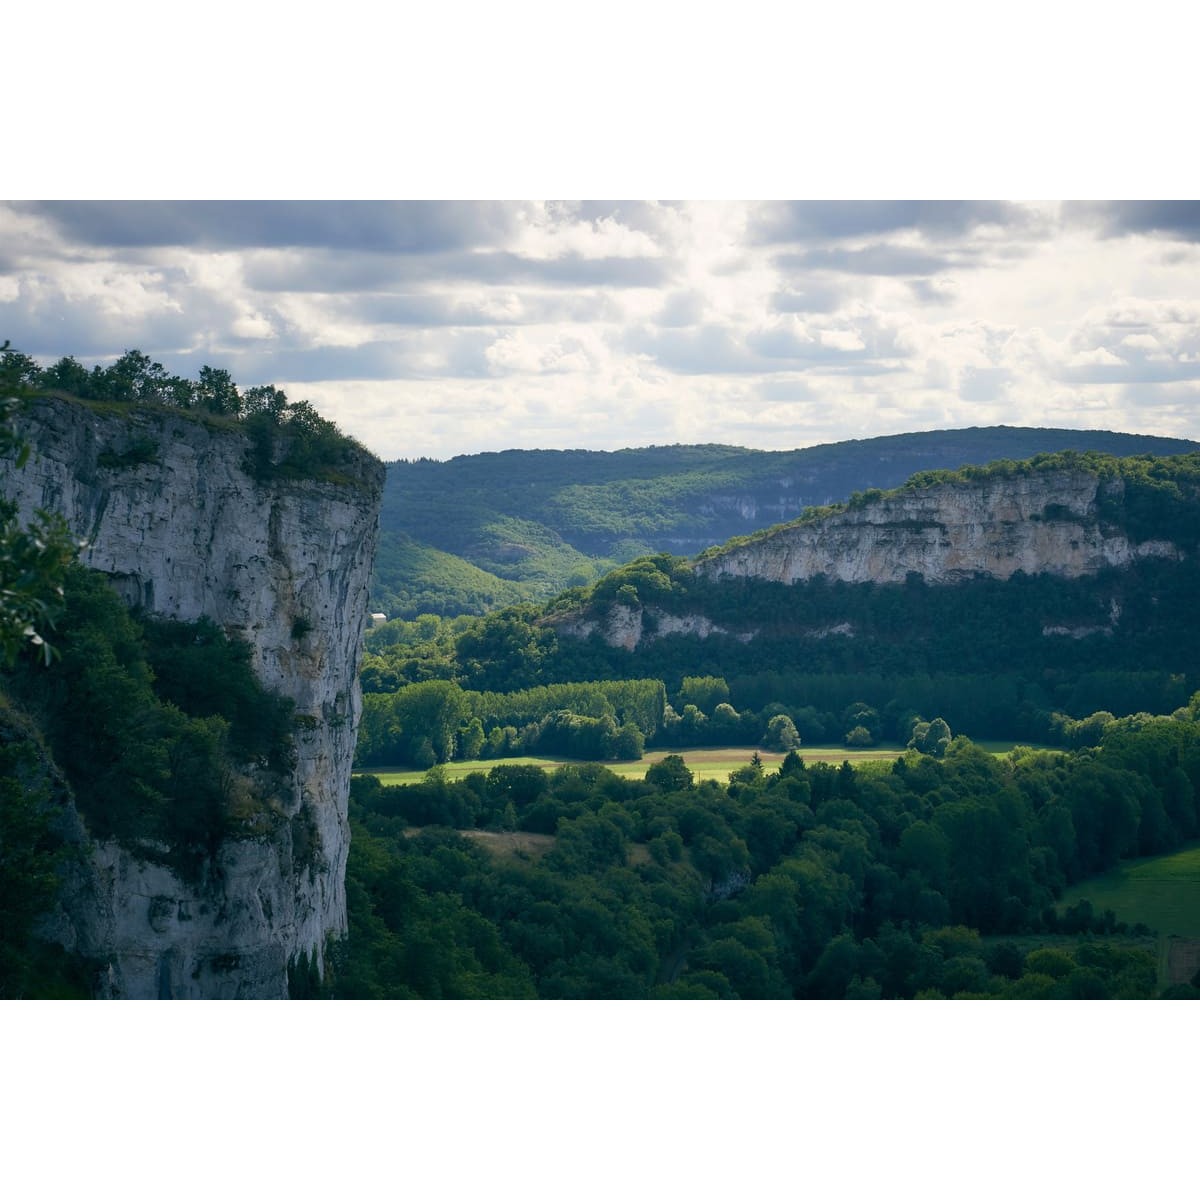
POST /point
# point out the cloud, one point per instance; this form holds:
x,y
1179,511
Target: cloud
x,y
841,339
329,271
811,297
477,306
983,384
709,349
1131,340
405,227
681,309
817,220
940,290
878,259
1121,218
517,352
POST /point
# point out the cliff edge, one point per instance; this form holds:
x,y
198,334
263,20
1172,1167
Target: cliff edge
x,y
173,514
1066,517
1047,522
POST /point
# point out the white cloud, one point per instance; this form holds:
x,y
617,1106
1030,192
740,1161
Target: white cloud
x,y
554,232
1092,358
841,339
252,325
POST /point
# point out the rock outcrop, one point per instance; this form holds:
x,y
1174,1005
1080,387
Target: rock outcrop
x,y
172,516
627,627
1041,522
1062,521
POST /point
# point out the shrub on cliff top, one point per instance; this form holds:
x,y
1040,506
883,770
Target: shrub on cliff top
x,y
289,440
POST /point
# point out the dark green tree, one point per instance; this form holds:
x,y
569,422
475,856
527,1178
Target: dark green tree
x,y
670,774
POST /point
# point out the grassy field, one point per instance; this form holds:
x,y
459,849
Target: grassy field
x,y
711,763
1161,892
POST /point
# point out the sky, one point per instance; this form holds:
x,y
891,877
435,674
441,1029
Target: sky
x,y
435,328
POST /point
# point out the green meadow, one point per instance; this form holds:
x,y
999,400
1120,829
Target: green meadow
x,y
1161,892
709,763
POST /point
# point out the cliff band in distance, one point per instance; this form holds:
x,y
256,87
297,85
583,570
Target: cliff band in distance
x,y
1041,522
1058,520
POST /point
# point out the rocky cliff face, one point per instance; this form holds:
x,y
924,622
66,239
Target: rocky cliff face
x,y
1032,523
1042,522
171,515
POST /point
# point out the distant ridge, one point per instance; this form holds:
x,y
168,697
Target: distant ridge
x,y
483,530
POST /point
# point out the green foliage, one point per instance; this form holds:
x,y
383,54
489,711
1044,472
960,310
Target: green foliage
x,y
287,440
813,882
704,691
781,733
33,852
411,579
600,721
33,562
670,774
156,760
975,654
931,737
202,671
33,558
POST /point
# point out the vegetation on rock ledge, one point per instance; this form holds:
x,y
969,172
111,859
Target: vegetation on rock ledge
x,y
289,439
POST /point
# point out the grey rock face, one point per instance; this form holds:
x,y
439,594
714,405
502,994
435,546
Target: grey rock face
x,y
947,533
171,515
1037,523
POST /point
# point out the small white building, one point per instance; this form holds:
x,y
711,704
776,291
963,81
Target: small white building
x,y
374,620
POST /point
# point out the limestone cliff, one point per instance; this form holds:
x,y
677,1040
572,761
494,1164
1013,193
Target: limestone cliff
x,y
170,513
1043,522
1062,519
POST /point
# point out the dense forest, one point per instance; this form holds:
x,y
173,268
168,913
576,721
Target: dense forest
x,y
936,876
486,530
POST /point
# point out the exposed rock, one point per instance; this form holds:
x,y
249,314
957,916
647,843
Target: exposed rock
x,y
171,515
1033,523
1043,522
628,627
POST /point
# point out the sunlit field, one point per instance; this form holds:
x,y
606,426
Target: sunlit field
x,y
1162,892
708,763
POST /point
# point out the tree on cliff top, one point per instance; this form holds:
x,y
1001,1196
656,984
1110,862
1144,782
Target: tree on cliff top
x,y
289,440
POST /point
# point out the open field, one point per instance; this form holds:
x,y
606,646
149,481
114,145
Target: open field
x,y
709,763
1161,892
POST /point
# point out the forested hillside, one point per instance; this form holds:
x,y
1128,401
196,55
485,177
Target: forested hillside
x,y
939,876
1017,657
525,524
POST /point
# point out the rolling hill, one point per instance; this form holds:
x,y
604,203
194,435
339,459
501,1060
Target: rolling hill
x,y
481,531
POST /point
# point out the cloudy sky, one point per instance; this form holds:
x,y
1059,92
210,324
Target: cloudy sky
x,y
437,328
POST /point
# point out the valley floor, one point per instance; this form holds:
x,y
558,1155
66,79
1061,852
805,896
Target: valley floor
x,y
706,763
